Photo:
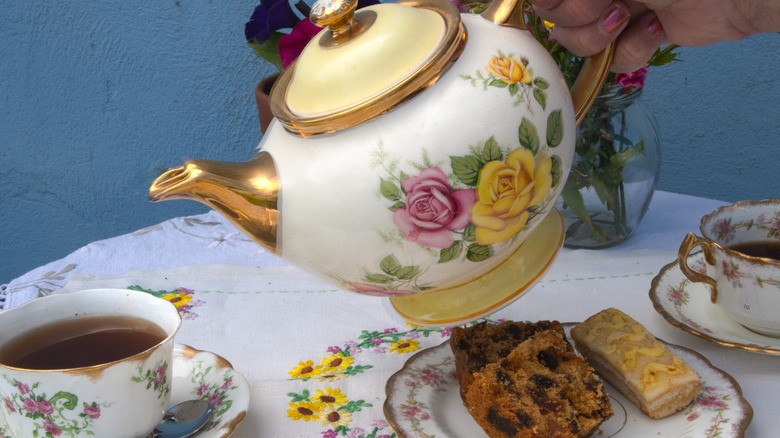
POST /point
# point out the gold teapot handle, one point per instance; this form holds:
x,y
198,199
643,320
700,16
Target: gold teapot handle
x,y
588,84
690,242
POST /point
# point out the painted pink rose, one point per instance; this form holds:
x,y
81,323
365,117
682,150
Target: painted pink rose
x,y
433,210
45,407
92,412
30,406
23,388
9,404
52,429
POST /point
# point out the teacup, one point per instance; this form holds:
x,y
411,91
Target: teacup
x,y
108,373
741,246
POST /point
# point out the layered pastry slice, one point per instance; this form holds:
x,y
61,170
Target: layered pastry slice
x,y
637,364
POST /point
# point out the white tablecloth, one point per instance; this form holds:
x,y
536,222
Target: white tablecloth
x,y
269,318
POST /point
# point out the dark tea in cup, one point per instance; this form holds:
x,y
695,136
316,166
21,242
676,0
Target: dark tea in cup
x,y
770,250
81,342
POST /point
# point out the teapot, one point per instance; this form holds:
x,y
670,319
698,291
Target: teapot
x,y
413,152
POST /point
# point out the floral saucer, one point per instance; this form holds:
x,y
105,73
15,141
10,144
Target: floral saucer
x,y
423,399
207,376
687,306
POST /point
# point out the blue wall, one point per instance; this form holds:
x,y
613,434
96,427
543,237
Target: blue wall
x,y
98,97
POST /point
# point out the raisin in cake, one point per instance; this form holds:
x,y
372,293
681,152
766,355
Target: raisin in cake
x,y
630,358
483,343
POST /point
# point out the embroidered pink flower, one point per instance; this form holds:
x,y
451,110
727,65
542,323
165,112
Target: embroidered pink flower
x,y
632,81
92,411
433,210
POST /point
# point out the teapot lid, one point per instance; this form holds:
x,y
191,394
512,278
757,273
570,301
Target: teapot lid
x,y
366,62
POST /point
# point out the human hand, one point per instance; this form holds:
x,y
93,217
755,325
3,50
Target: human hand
x,y
586,27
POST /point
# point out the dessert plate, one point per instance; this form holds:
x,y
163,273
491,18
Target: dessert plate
x,y
687,306
492,291
204,375
423,399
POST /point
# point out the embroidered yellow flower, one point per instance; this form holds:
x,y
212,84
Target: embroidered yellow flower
x,y
330,375
305,370
304,410
505,191
178,299
337,362
330,397
404,346
509,70
334,419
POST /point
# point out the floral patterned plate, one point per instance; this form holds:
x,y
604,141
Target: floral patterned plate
x,y
204,375
687,306
423,400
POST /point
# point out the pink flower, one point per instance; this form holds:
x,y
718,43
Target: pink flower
x,y
45,407
50,428
23,388
723,229
30,406
214,400
227,383
9,404
202,389
292,44
92,411
632,81
433,210
159,376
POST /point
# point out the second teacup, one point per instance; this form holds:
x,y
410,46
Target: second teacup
x,y
741,245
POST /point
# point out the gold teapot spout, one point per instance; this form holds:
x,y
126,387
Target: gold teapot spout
x,y
245,193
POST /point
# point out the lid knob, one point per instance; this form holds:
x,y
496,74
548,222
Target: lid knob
x,y
338,16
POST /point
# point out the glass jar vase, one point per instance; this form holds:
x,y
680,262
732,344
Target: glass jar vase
x,y
614,173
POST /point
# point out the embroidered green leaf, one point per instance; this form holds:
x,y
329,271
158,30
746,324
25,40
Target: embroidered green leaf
x,y
389,264
541,97
478,253
541,83
491,151
355,406
357,369
528,136
389,190
451,253
554,129
466,169
304,396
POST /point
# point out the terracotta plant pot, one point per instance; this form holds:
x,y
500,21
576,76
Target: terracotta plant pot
x,y
262,95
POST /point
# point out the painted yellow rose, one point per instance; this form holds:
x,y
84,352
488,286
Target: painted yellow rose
x,y
505,191
509,70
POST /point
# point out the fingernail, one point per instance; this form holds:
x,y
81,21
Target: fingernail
x,y
655,27
615,19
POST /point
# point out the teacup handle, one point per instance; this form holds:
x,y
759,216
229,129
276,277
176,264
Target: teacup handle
x,y
594,71
690,242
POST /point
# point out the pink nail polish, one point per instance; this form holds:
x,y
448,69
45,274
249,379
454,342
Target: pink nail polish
x,y
655,27
615,19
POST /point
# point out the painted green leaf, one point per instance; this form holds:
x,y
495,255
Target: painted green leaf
x,y
389,190
554,129
491,151
557,170
498,83
478,253
451,253
541,83
468,233
466,169
541,97
407,272
397,206
513,89
528,136
378,278
389,264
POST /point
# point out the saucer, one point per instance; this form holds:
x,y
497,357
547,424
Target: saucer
x,y
204,375
423,399
492,291
687,306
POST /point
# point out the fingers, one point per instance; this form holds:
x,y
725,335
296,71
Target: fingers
x,y
637,43
592,37
568,13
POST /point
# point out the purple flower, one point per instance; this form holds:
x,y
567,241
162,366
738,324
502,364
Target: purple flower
x,y
330,433
268,17
632,81
433,210
92,411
